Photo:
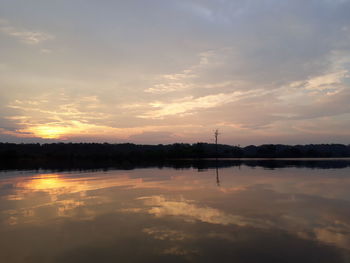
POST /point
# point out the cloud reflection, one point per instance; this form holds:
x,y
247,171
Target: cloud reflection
x,y
189,211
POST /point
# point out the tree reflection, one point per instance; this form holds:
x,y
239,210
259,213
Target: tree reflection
x,y
217,173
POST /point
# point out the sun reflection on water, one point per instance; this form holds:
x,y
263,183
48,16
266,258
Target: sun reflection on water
x,y
45,182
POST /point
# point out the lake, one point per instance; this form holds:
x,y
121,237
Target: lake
x,y
226,213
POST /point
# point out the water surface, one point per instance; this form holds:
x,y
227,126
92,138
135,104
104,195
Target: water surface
x,y
231,214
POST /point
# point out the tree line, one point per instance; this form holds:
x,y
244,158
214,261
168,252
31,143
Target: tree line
x,y
129,151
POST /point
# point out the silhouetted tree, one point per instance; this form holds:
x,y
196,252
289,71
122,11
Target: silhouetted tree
x,y
216,134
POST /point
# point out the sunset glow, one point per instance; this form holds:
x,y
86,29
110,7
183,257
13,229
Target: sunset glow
x,y
47,132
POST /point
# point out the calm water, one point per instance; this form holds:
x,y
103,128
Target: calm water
x,y
233,214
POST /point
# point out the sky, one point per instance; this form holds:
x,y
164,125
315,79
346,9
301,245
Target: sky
x,y
165,71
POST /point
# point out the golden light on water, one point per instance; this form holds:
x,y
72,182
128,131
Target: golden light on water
x,y
45,182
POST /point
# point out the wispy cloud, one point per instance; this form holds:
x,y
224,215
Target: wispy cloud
x,y
45,119
183,80
31,37
329,81
190,104
59,116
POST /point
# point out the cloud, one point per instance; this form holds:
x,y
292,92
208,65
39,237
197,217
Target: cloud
x,y
168,87
66,116
327,81
62,116
190,104
26,36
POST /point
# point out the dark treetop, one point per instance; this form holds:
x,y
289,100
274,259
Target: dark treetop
x,y
97,155
177,150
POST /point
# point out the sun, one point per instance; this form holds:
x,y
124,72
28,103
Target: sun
x,y
50,132
73,129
